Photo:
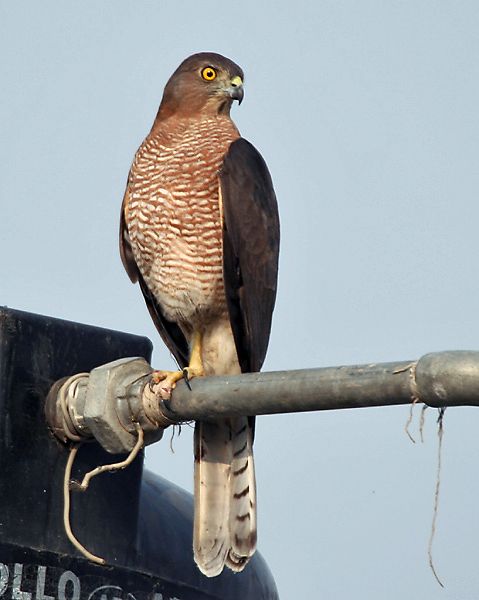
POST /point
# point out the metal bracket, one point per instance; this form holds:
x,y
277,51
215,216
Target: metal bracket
x,y
105,405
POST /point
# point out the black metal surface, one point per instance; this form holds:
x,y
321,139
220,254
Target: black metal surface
x,y
142,526
27,574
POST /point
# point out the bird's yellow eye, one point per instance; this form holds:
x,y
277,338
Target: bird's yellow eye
x,y
208,74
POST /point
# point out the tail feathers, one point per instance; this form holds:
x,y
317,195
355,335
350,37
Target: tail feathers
x,y
242,514
212,467
225,496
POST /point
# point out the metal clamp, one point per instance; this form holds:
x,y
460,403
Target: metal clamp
x,y
105,404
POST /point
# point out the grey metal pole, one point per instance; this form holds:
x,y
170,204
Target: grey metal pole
x,y
437,379
107,402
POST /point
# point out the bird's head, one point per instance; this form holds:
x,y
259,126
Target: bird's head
x,y
205,82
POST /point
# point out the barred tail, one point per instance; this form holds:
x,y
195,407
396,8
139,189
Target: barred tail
x,y
225,496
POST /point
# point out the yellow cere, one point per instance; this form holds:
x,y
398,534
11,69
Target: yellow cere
x,y
237,81
208,73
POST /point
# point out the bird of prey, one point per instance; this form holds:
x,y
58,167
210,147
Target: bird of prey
x,y
200,233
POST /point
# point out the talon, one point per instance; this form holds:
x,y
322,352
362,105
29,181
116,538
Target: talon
x,y
186,377
166,380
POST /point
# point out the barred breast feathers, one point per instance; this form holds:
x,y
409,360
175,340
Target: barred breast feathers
x,y
174,218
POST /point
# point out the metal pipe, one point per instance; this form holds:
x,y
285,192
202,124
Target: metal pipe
x,y
437,379
107,403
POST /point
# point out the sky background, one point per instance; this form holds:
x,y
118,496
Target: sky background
x,y
367,115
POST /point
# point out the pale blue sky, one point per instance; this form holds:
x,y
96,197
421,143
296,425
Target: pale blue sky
x,y
367,115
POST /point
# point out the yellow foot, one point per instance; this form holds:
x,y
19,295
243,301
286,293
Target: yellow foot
x,y
165,382
167,379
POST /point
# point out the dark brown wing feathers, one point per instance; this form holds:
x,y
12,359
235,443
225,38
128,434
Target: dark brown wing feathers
x,y
251,249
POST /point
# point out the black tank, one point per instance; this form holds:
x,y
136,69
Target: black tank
x,y
140,523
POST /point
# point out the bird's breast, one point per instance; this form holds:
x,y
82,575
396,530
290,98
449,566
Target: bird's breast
x,y
174,218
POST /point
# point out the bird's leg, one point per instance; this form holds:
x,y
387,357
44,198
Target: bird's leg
x,y
195,368
168,379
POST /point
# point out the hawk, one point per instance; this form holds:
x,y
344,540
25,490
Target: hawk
x,y
200,233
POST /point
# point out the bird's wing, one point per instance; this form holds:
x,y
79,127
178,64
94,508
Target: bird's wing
x,y
250,250
169,331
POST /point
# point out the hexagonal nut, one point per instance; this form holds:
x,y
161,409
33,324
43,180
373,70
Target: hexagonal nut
x,y
106,396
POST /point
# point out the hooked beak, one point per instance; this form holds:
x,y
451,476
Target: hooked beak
x,y
236,91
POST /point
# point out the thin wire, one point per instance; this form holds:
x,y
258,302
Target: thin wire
x,y
409,420
422,421
411,367
66,509
436,494
115,466
68,389
84,485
